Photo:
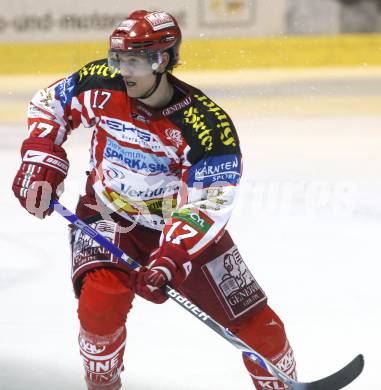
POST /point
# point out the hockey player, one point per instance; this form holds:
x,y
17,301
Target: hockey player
x,y
165,164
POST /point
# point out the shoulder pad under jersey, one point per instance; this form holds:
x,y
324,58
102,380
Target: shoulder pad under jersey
x,y
206,127
97,74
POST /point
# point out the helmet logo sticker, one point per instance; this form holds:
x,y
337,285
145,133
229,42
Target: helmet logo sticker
x,y
117,43
159,20
126,25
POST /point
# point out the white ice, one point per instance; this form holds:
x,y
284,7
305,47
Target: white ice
x,y
307,222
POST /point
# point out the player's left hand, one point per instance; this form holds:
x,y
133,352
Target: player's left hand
x,y
169,264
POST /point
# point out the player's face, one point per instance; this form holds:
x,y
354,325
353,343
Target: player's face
x,y
137,71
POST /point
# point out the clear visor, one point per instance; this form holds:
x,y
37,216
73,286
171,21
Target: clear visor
x,y
134,63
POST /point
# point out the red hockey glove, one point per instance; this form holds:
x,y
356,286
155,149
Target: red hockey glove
x,y
43,169
169,264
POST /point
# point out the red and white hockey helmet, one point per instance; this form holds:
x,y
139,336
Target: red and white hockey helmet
x,y
147,34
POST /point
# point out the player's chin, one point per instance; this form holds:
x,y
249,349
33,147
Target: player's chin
x,y
133,91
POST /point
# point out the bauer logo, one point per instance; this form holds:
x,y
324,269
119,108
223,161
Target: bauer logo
x,y
221,170
188,305
61,165
65,90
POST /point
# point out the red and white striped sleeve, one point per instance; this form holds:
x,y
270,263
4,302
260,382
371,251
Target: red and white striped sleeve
x,y
58,109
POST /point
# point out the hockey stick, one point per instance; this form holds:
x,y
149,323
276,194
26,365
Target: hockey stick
x,y
336,381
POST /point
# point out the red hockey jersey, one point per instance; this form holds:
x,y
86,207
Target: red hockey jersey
x,y
174,169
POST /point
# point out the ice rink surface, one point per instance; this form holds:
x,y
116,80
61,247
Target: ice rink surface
x,y
307,222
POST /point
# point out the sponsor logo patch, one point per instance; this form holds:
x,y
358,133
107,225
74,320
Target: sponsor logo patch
x,y
96,69
119,179
136,160
65,90
106,367
177,106
287,362
174,136
196,120
35,112
227,135
149,193
158,206
195,218
128,132
89,347
232,280
216,169
85,250
46,98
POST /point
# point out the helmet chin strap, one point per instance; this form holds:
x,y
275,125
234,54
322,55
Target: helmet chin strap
x,y
154,88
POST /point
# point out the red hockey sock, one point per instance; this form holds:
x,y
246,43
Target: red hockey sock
x,y
103,359
265,332
104,303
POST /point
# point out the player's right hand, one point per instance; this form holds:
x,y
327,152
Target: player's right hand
x,y
169,264
44,167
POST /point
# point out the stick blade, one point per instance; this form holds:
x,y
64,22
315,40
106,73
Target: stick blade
x,y
339,379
